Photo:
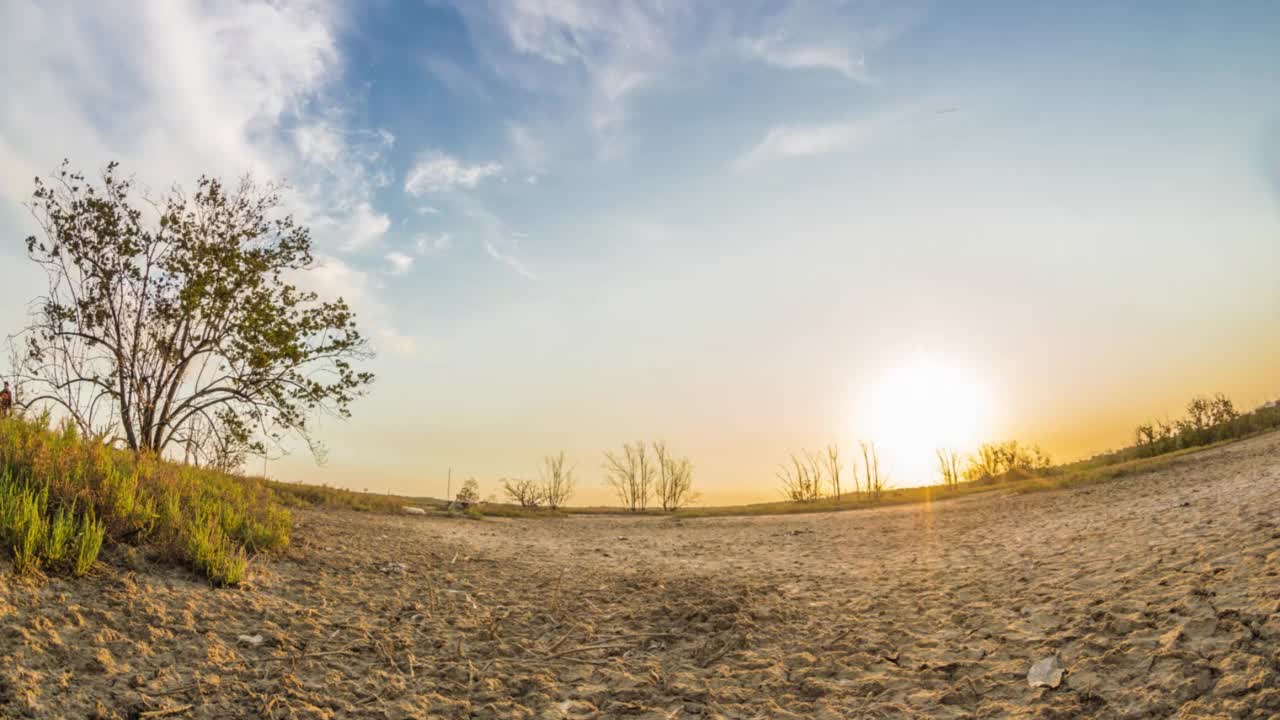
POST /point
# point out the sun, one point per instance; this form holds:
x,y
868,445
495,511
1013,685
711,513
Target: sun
x,y
916,407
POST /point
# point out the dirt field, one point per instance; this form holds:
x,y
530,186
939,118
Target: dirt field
x,y
1160,594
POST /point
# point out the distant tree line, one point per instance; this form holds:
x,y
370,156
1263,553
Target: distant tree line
x,y
1207,420
644,474
639,473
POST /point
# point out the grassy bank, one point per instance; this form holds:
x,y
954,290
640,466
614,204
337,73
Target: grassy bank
x,y
62,497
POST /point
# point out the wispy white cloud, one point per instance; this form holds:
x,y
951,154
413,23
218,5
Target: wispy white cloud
x,y
364,228
600,57
596,56
497,239
507,259
529,152
400,263
197,88
796,141
434,245
333,277
782,52
436,172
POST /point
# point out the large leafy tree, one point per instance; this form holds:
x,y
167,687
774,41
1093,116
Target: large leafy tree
x,y
174,325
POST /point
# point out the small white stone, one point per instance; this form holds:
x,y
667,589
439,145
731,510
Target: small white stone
x,y
1046,673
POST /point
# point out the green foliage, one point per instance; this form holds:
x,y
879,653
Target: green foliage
x,y
62,497
39,536
61,533
87,544
212,552
474,512
173,324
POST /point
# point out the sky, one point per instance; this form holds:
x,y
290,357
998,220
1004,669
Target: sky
x,y
570,224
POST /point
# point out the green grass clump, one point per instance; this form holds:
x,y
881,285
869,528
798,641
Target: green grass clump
x,y
39,536
62,497
88,542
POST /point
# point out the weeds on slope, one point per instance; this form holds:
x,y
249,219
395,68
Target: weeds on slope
x,y
62,496
302,495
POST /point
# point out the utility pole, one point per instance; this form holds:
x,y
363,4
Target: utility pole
x,y
448,493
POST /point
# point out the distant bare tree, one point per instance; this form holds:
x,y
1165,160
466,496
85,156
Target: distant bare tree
x,y
802,479
558,480
526,493
833,470
631,475
949,466
871,470
674,483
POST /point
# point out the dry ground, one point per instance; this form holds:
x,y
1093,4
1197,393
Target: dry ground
x,y
1160,593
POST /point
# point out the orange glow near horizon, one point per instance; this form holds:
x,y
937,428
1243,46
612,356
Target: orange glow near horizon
x,y
922,404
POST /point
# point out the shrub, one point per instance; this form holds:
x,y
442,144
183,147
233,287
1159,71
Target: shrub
x,y
802,480
469,494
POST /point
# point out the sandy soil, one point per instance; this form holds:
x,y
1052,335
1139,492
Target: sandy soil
x,y
1159,593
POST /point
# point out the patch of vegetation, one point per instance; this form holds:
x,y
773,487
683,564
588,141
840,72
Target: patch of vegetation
x,y
324,496
63,496
1207,421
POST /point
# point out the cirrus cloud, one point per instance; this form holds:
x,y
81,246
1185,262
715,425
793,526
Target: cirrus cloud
x,y
436,172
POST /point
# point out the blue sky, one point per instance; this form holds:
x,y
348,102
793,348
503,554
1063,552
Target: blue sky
x,y
577,223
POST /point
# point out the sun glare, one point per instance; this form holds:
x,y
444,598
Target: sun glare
x,y
916,407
